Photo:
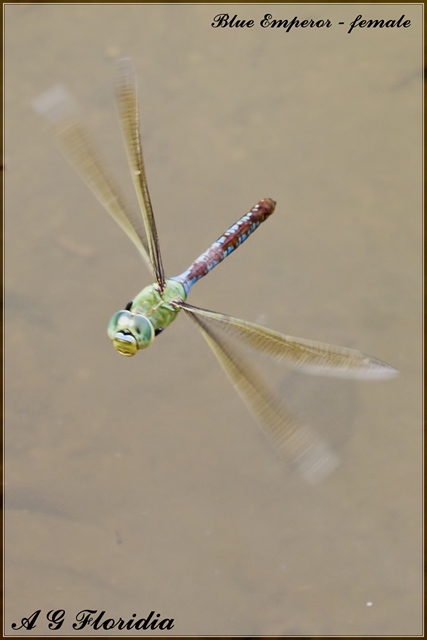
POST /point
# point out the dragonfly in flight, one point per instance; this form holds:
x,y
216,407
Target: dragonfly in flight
x,y
157,305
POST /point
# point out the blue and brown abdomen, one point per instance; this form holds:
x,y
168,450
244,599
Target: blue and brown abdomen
x,y
227,243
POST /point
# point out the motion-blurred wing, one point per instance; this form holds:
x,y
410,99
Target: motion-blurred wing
x,y
311,357
127,103
299,444
60,111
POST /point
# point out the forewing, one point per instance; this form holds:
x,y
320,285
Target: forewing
x,y
127,104
60,111
298,443
311,357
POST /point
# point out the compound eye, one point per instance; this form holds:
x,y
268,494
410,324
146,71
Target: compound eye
x,y
130,332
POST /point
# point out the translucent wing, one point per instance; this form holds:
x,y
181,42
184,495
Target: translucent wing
x,y
127,103
311,357
60,111
299,444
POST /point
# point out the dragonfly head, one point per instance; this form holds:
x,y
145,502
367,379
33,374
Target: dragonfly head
x,y
130,332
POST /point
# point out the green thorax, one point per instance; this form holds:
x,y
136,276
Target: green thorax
x,y
156,307
150,312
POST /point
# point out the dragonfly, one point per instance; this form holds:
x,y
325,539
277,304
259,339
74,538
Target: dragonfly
x,y
136,326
